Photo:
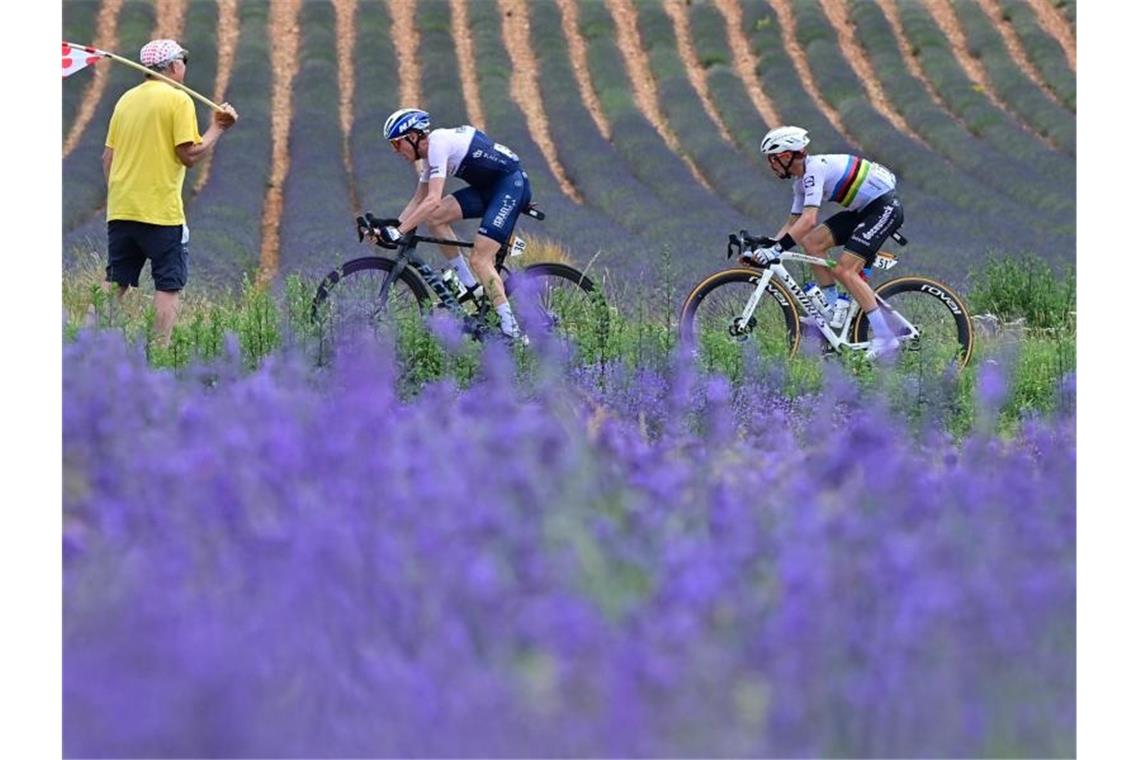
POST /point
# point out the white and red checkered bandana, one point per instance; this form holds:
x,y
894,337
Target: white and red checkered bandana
x,y
158,54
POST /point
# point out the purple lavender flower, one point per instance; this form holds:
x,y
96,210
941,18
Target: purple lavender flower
x,y
300,563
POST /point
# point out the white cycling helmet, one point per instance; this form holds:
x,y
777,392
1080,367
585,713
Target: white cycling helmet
x,y
782,139
404,121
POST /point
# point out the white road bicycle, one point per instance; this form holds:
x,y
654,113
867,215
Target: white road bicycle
x,y
759,309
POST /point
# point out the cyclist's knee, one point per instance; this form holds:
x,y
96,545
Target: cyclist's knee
x,y
818,241
849,266
446,212
485,246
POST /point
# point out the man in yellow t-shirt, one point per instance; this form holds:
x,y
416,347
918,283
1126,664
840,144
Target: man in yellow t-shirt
x,y
152,138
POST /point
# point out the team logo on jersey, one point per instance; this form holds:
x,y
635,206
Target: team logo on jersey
x,y
508,206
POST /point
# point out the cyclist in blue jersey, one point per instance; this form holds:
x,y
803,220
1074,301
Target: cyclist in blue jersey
x,y
874,212
498,190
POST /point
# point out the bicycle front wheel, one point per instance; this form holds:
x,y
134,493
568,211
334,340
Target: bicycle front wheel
x,y
554,298
714,325
348,300
930,320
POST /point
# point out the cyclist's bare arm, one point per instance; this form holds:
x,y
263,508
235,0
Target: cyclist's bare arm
x,y
426,200
417,199
801,226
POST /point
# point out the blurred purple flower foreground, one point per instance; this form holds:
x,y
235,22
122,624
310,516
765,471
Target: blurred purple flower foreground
x,y
283,564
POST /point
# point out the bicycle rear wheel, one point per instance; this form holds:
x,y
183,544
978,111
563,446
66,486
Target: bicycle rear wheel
x,y
553,298
713,324
348,302
942,331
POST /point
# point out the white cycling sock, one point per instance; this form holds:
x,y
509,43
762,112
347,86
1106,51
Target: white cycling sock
x,y
507,318
466,276
879,324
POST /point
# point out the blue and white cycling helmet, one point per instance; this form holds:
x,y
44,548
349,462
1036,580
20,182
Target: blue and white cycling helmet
x,y
404,121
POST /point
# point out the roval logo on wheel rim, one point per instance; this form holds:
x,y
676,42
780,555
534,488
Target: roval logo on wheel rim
x,y
950,302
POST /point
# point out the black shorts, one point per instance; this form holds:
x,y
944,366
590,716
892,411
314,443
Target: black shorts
x,y
863,232
498,206
130,244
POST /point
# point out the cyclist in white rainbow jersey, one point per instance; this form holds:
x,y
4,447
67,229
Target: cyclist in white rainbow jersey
x,y
498,190
865,188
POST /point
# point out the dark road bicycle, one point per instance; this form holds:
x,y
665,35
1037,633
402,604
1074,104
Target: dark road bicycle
x,y
760,307
374,291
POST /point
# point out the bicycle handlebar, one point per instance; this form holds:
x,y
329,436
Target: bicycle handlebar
x,y
738,240
370,225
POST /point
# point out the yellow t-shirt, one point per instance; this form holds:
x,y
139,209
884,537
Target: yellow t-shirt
x,y
145,184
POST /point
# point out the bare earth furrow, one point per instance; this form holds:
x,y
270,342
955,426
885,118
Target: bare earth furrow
x,y
406,40
577,50
226,216
346,86
171,18
982,160
583,230
730,171
891,12
745,62
317,231
644,90
693,68
85,192
944,16
940,202
524,87
921,33
106,38
836,11
229,31
384,179
1013,47
783,10
1052,122
285,40
1055,24
465,53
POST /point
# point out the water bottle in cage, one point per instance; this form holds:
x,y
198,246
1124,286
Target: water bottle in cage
x,y
839,315
815,293
453,283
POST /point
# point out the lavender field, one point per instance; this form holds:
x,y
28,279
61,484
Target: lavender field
x,y
429,547
291,563
640,131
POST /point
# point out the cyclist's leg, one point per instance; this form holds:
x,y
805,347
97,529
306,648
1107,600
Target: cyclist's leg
x,y
466,203
882,217
817,243
458,205
505,203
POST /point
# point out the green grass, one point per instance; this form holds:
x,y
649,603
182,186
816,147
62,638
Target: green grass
x,y
1025,287
632,327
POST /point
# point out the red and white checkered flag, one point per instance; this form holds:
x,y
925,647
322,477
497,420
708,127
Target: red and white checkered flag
x,y
76,57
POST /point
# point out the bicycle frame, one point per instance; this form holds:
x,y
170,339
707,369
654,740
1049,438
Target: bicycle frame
x,y
813,309
406,256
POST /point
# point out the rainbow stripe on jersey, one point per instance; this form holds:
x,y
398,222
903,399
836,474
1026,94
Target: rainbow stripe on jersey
x,y
853,176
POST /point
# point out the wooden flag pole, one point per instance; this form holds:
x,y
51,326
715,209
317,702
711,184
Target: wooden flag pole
x,y
150,72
